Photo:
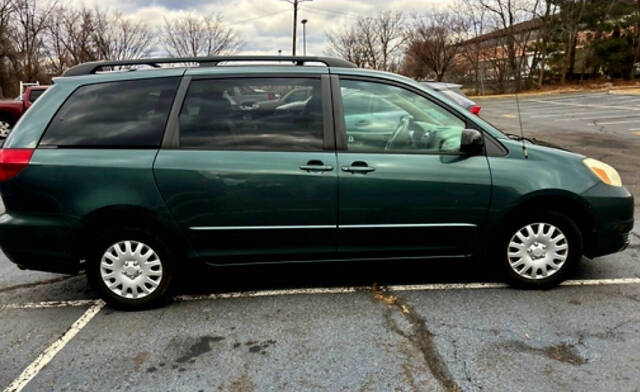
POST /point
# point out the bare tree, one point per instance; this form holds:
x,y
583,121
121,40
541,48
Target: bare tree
x,y
194,35
69,38
472,51
508,16
27,36
117,37
345,44
376,41
434,43
6,45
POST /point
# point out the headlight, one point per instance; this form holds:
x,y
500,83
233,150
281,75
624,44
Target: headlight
x,y
606,173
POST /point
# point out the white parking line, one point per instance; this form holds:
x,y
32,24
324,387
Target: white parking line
x,y
47,355
325,290
599,117
619,122
587,105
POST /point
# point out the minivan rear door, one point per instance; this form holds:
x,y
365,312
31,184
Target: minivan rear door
x,y
252,183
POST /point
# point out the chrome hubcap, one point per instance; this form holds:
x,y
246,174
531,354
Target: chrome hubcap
x,y
131,269
5,127
537,251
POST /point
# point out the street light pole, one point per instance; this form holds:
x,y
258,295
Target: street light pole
x,y
304,36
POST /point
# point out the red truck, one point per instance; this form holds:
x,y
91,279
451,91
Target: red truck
x,y
12,110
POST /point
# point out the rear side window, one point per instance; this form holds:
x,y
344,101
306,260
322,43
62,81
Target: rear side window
x,y
264,114
130,114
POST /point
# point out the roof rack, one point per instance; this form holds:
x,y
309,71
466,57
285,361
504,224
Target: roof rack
x,y
95,66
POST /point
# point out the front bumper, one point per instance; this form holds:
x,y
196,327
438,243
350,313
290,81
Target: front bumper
x,y
42,243
612,212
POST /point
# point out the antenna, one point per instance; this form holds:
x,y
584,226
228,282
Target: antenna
x,y
524,146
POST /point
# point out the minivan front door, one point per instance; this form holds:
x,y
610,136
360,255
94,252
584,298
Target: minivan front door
x,y
406,190
253,183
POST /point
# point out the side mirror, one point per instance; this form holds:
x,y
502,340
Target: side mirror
x,y
471,142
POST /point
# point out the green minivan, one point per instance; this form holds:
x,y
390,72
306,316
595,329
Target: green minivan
x,y
132,174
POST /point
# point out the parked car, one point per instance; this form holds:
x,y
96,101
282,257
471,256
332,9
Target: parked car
x,y
454,92
132,176
297,96
12,110
248,95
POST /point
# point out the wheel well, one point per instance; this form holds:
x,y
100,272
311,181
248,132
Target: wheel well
x,y
575,210
108,218
7,116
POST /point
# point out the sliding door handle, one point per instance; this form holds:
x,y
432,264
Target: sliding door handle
x,y
357,169
316,166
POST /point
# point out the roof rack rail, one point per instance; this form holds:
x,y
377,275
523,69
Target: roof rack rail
x,y
95,66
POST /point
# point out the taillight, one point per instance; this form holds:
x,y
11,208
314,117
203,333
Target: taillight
x,y
271,96
13,160
475,109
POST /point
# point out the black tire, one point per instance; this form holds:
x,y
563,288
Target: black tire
x,y
5,120
158,296
564,225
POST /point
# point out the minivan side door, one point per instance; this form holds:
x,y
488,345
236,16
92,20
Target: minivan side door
x,y
406,190
248,183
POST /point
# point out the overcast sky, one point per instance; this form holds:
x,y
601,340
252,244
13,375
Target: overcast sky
x,y
266,25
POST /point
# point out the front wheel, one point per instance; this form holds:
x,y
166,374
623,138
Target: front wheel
x,y
539,250
131,269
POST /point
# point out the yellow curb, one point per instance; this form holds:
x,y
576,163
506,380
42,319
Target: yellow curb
x,y
611,90
631,91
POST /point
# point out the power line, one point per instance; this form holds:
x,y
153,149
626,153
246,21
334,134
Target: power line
x,y
346,13
257,17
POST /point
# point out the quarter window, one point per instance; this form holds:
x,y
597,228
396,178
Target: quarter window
x,y
130,114
384,118
273,114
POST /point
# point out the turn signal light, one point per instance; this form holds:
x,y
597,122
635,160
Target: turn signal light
x,y
604,172
12,161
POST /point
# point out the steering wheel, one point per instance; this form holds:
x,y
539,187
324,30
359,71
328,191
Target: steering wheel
x,y
401,129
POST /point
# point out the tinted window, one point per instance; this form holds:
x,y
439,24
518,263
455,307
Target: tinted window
x,y
252,114
396,120
35,94
117,114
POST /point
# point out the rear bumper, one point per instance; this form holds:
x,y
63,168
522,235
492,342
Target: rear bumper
x,y
42,243
612,212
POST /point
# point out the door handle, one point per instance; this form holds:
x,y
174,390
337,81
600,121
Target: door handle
x,y
316,166
362,123
358,167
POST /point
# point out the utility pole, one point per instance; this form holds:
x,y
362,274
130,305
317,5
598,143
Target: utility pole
x,y
295,22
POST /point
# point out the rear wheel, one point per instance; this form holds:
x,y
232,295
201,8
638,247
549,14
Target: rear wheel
x,y
539,250
131,268
5,127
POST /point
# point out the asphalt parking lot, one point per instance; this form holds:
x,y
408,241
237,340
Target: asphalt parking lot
x,y
358,326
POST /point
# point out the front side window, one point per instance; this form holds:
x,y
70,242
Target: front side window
x,y
263,114
384,118
130,114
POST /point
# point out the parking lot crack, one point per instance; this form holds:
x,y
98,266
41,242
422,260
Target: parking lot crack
x,y
417,333
35,284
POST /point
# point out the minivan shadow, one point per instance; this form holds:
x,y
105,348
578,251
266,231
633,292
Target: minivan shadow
x,y
208,280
